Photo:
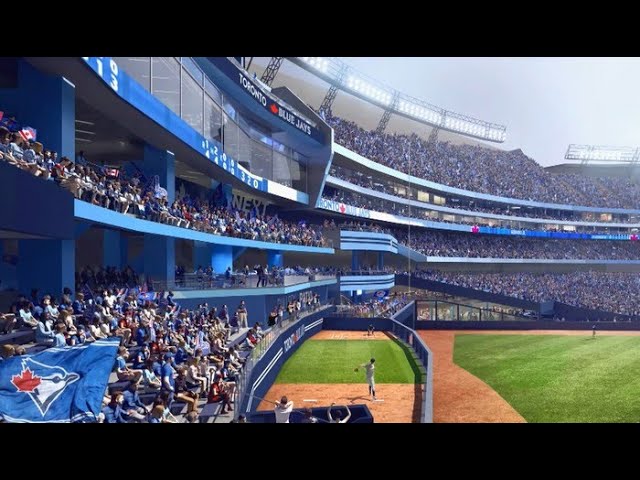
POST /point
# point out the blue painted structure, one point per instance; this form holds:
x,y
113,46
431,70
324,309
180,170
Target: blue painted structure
x,y
359,414
45,229
367,241
350,283
48,265
259,301
163,164
275,258
44,102
45,210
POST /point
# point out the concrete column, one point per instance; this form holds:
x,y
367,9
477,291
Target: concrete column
x,y
160,258
48,265
46,103
161,163
275,258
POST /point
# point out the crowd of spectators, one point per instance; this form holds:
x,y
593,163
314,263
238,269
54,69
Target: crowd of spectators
x,y
375,307
480,169
101,186
378,185
101,277
170,352
248,277
437,243
381,205
179,353
605,291
354,226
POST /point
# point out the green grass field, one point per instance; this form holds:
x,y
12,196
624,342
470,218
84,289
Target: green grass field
x,y
333,361
554,378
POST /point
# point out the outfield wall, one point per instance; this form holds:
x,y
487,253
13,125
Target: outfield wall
x,y
356,323
265,370
577,314
541,325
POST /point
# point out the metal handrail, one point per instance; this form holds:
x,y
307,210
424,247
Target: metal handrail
x,y
236,281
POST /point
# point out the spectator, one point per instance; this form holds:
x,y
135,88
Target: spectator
x,y
132,406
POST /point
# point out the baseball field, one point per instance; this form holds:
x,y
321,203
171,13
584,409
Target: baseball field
x,y
322,371
535,376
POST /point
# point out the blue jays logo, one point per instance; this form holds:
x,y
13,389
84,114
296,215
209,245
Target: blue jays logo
x,y
43,383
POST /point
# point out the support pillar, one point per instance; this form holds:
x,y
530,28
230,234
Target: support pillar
x,y
355,260
48,265
275,258
44,102
160,258
114,249
163,164
221,258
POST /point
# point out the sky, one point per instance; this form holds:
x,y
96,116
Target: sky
x,y
545,103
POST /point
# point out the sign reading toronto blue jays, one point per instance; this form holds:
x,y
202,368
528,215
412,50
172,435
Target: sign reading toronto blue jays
x,y
267,101
57,385
343,208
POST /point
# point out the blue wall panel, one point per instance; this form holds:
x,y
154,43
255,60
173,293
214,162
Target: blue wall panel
x,y
34,206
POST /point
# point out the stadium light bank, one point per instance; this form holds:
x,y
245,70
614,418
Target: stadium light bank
x,y
344,77
602,154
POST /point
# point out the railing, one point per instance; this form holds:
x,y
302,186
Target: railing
x,y
193,281
366,272
440,310
411,338
262,347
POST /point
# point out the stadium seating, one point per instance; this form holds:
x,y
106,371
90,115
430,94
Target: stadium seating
x,y
480,169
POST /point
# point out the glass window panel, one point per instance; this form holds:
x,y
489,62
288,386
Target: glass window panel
x,y
138,68
166,82
192,98
193,69
212,120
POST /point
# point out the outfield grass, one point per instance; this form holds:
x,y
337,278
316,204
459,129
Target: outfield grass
x,y
554,378
333,361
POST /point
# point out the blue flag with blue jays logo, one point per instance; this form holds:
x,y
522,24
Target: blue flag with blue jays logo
x,y
57,385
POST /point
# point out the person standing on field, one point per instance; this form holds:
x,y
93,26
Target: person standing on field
x,y
369,369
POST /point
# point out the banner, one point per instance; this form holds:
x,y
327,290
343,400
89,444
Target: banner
x,y
343,208
58,385
381,294
266,100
